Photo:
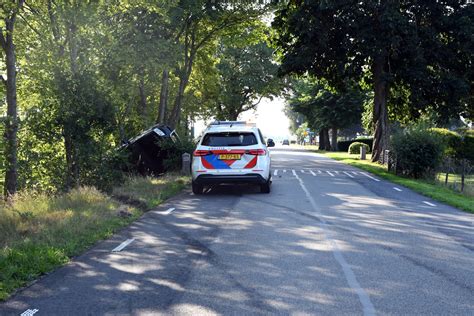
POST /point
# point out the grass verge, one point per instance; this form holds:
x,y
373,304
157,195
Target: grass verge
x,y
424,187
39,233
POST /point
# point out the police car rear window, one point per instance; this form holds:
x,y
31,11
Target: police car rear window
x,y
229,139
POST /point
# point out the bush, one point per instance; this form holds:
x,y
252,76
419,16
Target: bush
x,y
354,148
466,148
451,140
418,152
344,145
174,150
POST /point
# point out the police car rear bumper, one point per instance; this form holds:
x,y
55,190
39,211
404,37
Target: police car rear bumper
x,y
218,179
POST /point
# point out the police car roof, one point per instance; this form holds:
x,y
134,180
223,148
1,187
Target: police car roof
x,y
229,126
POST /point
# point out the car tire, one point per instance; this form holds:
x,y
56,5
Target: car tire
x,y
197,188
265,188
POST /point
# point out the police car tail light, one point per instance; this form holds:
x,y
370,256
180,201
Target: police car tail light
x,y
201,153
257,152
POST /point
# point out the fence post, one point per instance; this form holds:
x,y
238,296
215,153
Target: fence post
x,y
186,164
463,171
363,152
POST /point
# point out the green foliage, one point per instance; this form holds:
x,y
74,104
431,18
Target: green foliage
x,y
175,150
323,107
451,140
344,145
418,152
466,150
355,147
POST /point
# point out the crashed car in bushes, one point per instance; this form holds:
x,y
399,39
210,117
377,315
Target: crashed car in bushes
x,y
148,152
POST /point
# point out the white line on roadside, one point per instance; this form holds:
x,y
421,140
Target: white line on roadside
x,y
302,171
123,245
29,312
428,203
284,170
353,172
369,176
319,171
311,171
349,174
276,172
368,308
168,211
294,172
397,189
337,172
329,172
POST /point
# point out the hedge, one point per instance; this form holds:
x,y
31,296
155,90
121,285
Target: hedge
x,y
354,148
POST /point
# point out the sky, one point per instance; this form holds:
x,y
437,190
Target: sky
x,y
269,117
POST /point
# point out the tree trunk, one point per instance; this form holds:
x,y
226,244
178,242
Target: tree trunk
x,y
334,138
163,97
11,123
380,115
321,140
176,112
142,109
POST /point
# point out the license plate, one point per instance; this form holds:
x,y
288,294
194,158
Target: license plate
x,y
229,157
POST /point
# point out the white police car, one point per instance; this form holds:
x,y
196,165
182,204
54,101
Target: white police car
x,y
231,152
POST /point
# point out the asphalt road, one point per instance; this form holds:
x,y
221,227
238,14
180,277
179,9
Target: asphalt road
x,y
329,239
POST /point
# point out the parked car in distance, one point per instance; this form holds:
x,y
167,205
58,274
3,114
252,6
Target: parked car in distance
x,y
285,142
231,152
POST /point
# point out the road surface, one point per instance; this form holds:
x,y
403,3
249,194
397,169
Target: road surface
x,y
329,239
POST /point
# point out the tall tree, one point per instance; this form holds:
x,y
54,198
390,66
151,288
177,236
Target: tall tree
x,y
8,13
388,43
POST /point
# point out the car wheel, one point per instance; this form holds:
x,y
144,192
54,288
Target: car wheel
x,y
197,188
265,188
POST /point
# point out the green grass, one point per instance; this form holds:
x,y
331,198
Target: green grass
x,y
39,233
424,187
150,192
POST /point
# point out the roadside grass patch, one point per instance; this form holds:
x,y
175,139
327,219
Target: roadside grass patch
x,y
40,232
424,187
150,192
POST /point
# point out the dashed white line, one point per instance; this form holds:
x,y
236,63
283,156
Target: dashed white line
x,y
329,172
276,172
319,171
284,170
168,211
123,245
29,312
294,172
369,176
428,203
302,171
353,172
311,171
367,306
337,172
397,189
347,173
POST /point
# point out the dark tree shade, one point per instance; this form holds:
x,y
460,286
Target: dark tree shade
x,y
425,46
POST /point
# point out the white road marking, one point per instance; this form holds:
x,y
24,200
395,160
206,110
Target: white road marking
x,y
123,245
330,173
29,312
168,211
284,170
311,171
369,176
337,172
368,308
276,172
319,171
397,189
294,172
428,203
349,174
353,172
302,171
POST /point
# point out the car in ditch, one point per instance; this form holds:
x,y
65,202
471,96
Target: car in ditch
x,y
231,152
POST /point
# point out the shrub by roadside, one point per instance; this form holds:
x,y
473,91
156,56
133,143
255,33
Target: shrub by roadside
x,y
354,148
39,232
